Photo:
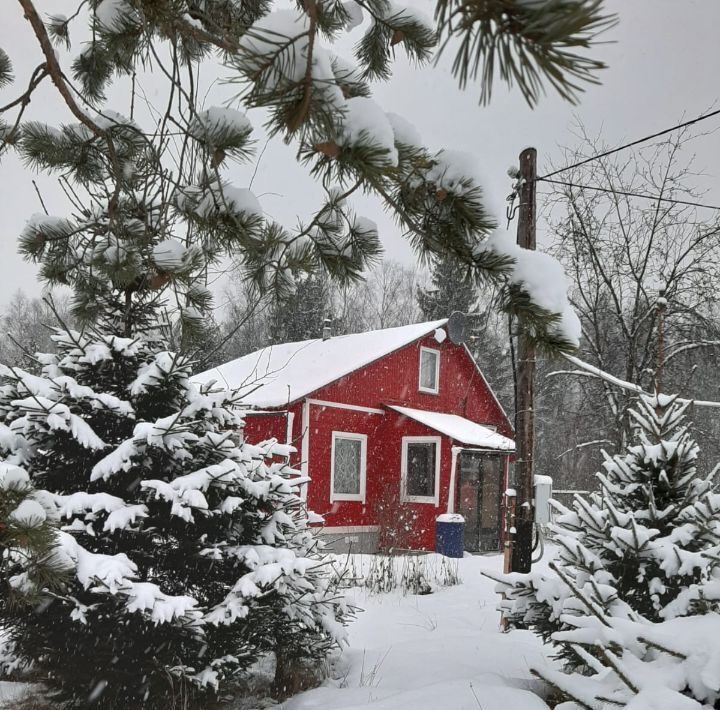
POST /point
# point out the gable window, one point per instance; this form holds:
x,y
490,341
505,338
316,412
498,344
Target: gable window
x,y
429,377
420,469
348,466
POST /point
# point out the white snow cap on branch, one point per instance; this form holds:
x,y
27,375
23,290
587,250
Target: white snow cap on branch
x,y
58,417
217,119
544,279
367,125
29,514
405,132
13,477
276,48
218,199
240,200
169,255
284,32
410,13
455,172
112,14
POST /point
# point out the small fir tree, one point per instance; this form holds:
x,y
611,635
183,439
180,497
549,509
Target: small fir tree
x,y
189,548
634,550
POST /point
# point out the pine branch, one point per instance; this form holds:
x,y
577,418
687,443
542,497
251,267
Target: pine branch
x,y
524,43
53,68
613,662
6,69
226,43
304,107
39,73
9,133
540,676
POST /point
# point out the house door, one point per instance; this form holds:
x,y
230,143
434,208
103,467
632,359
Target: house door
x,y
479,499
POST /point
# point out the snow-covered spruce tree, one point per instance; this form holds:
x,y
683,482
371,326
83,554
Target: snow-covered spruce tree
x,y
188,547
637,548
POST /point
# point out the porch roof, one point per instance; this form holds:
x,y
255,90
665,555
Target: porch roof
x,y
458,428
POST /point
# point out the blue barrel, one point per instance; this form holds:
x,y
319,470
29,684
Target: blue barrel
x,y
450,535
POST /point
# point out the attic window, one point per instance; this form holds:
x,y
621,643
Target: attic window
x,y
429,377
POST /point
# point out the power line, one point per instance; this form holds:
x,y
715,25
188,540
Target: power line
x,y
702,117
654,198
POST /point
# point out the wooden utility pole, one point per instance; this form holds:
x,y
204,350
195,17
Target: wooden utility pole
x,y
521,560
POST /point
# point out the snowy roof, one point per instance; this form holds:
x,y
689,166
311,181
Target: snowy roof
x,y
459,428
279,374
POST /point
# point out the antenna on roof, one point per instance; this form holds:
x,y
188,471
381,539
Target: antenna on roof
x,y
457,327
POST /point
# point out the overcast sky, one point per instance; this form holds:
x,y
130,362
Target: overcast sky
x,y
664,66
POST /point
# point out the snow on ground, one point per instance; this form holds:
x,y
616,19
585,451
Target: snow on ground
x,y
441,651
12,694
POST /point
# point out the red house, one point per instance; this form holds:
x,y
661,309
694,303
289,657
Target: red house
x,y
394,427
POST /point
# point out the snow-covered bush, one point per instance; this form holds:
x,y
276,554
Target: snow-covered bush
x,y
636,546
188,547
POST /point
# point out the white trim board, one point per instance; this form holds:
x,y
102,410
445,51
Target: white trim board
x,y
342,405
305,447
348,529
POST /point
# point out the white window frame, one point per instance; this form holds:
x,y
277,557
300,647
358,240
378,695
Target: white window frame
x,y
404,497
429,390
362,438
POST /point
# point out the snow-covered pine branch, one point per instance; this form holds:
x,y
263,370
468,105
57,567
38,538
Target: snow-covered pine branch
x,y
154,208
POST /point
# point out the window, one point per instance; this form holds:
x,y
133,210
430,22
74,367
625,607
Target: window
x,y
348,466
429,370
420,472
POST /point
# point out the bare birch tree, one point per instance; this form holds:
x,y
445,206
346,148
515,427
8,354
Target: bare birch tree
x,y
645,274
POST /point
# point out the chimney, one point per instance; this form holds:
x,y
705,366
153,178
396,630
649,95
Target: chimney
x,y
327,330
